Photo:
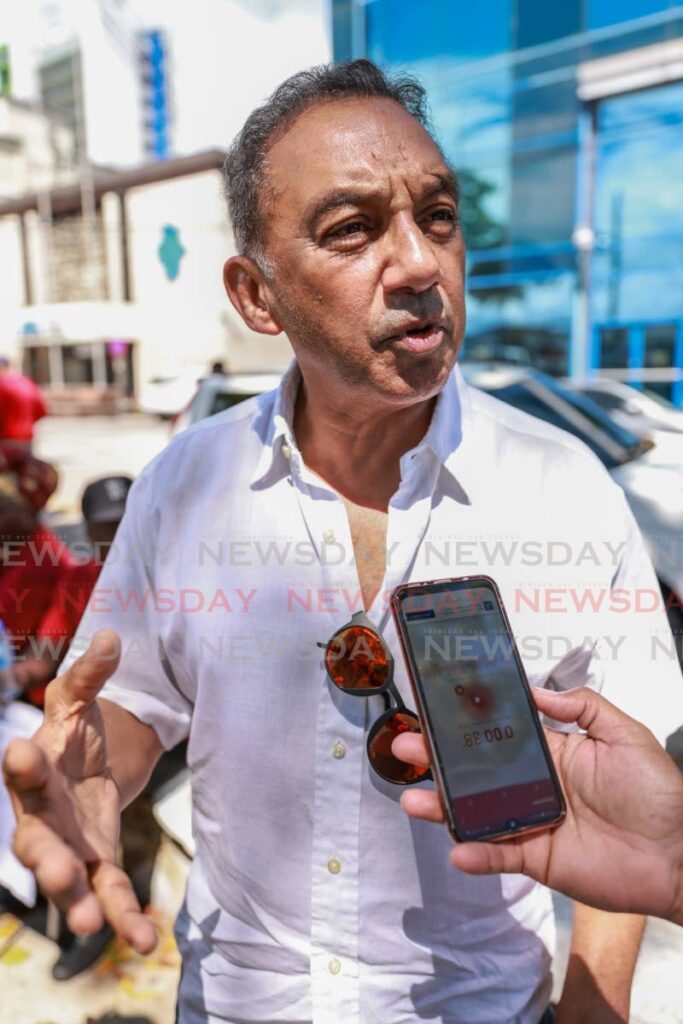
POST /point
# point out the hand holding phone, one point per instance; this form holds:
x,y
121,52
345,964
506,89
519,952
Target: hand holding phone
x,y
620,848
490,758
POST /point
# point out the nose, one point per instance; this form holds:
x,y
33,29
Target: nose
x,y
411,263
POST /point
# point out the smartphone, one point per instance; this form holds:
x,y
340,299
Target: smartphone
x,y
489,755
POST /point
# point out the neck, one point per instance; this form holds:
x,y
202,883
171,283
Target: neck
x,y
356,448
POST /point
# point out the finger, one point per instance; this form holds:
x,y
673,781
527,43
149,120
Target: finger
x,y
488,858
81,683
121,908
60,875
25,769
411,747
593,713
422,803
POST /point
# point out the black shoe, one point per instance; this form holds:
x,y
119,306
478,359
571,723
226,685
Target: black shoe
x,y
9,904
82,952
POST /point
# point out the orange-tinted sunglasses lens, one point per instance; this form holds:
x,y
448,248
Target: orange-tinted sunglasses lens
x,y
379,749
356,659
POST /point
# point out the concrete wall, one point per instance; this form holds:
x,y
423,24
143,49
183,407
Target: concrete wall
x,y
11,284
188,321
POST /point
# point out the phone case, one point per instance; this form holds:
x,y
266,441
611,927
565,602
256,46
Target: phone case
x,y
408,588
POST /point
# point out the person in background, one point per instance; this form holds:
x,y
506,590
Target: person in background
x,y
33,563
21,405
103,503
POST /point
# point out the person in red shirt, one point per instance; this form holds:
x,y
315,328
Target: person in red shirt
x,y
33,564
103,503
21,405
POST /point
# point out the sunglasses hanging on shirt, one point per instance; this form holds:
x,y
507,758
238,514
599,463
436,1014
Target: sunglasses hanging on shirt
x,y
358,662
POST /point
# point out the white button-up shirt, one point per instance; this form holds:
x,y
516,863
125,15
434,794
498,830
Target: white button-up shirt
x,y
313,897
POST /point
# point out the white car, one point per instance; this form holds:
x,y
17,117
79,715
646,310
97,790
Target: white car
x,y
642,412
167,394
650,470
221,391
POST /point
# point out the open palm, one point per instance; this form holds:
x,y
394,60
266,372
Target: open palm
x,y
620,846
68,805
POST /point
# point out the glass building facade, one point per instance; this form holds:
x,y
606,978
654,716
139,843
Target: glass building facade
x,y
565,124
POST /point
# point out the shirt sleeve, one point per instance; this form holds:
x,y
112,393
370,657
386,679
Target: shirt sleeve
x,y
631,656
145,682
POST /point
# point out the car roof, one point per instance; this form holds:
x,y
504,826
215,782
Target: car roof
x,y
242,383
497,375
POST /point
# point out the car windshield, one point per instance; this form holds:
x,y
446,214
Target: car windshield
x,y
605,399
223,400
577,414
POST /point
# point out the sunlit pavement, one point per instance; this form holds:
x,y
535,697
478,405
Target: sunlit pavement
x,y
122,988
142,991
83,448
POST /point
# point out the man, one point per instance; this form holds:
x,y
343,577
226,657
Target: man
x,y
621,845
253,537
21,405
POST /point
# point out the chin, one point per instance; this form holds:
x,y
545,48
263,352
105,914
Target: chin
x,y
423,378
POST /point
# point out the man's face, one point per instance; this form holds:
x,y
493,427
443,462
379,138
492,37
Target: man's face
x,y
368,261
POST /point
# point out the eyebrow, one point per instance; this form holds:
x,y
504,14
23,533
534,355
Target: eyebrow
x,y
334,200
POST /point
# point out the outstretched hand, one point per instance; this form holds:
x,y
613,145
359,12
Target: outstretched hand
x,y
620,847
68,805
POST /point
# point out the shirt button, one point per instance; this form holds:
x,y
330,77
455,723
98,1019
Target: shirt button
x,y
328,536
334,966
334,866
339,750
286,451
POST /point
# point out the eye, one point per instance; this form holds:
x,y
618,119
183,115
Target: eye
x,y
444,219
348,230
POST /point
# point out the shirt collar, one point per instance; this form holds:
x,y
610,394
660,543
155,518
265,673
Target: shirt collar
x,y
277,429
442,440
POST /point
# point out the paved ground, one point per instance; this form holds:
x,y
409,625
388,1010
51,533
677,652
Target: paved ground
x,y
85,447
123,988
142,991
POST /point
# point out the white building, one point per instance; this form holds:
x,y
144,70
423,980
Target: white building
x,y
81,58
36,152
87,59
99,305
227,56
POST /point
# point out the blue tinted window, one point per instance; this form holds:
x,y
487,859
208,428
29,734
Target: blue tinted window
x,y
638,262
341,29
398,32
611,12
539,21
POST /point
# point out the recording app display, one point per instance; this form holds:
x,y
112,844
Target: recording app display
x,y
492,760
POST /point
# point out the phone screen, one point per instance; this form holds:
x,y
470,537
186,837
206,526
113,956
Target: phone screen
x,y
485,732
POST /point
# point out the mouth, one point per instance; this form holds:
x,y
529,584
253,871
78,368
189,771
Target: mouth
x,y
422,337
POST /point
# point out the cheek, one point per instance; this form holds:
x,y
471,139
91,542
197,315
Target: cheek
x,y
343,288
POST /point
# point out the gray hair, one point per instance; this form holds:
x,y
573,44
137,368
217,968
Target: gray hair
x,y
245,166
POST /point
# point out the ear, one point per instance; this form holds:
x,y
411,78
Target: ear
x,y
248,293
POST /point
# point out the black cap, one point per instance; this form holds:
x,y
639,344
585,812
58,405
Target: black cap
x,y
104,500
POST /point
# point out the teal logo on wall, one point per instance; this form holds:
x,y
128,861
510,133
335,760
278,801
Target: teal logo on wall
x,y
171,251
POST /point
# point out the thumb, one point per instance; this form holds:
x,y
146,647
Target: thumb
x,y
591,712
488,858
81,683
